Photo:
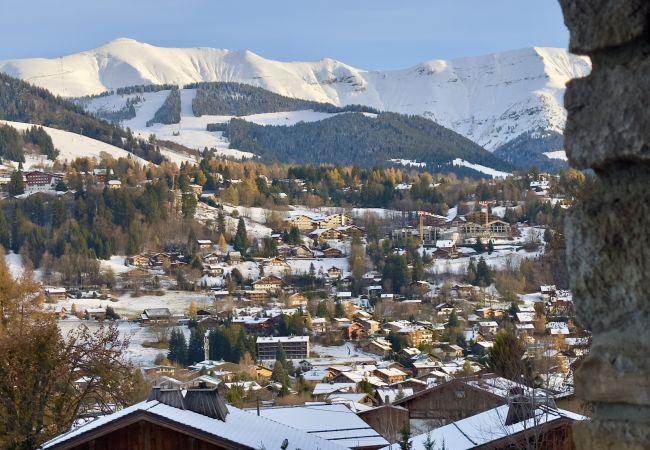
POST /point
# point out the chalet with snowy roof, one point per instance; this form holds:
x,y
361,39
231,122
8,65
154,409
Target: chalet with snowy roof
x,y
155,315
379,347
213,270
196,418
334,273
271,284
302,251
114,184
95,313
55,294
204,244
332,252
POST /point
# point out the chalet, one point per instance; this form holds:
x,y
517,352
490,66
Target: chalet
x,y
234,257
481,348
95,313
446,250
213,270
257,295
391,375
332,253
319,325
371,326
196,189
271,284
379,347
198,419
114,184
58,311
388,420
351,231
334,273
162,260
54,294
155,315
141,261
296,300
101,175
323,235
353,331
302,222
416,335
302,251
204,244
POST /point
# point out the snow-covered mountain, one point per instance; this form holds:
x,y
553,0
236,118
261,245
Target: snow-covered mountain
x,y
489,99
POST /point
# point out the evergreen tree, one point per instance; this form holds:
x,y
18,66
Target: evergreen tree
x,y
280,375
506,355
177,347
16,185
195,349
478,246
490,247
241,237
483,273
221,223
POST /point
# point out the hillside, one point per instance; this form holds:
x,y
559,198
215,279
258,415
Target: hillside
x,y
24,103
489,99
358,138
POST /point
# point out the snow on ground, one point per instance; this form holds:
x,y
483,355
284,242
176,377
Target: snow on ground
x,y
206,213
479,168
136,333
15,263
177,301
72,145
346,350
301,266
559,154
117,263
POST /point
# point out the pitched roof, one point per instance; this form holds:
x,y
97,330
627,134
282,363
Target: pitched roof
x,y
236,429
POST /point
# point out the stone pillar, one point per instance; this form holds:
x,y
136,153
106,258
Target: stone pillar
x,y
608,230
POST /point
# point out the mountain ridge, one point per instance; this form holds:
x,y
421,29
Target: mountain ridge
x,y
489,99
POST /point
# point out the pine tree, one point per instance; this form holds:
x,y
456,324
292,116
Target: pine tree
x,y
16,185
221,223
490,247
281,376
483,273
177,347
195,352
241,237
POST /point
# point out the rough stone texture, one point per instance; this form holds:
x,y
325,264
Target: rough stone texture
x,y
619,435
599,24
616,97
608,234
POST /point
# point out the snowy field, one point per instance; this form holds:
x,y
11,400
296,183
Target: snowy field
x,y
178,302
479,168
136,333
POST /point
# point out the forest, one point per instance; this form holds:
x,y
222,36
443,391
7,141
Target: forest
x,y
236,99
347,139
22,102
170,111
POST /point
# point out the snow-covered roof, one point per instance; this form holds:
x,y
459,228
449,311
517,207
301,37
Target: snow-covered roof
x,y
264,339
332,422
486,427
236,428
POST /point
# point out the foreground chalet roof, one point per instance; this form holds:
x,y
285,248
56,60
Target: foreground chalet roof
x,y
490,427
239,430
332,422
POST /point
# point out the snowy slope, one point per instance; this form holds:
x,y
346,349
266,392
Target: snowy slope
x,y
191,131
72,145
489,99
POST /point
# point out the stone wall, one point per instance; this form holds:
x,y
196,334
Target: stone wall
x,y
608,230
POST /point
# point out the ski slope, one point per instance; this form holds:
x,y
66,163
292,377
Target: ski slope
x,y
489,99
72,145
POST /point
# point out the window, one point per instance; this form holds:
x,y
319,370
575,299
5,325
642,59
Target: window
x,y
460,393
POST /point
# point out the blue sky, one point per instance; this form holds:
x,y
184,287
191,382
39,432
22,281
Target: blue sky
x,y
369,34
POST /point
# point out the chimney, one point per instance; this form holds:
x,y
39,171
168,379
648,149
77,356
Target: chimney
x,y
520,408
206,402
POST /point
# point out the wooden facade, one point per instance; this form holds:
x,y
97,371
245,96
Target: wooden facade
x,y
142,431
449,402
